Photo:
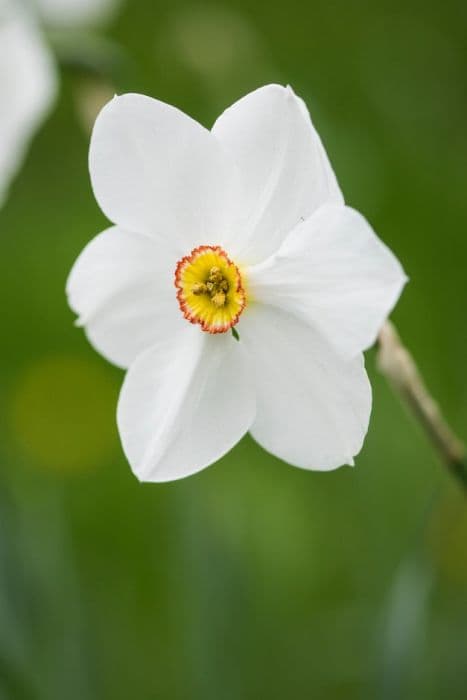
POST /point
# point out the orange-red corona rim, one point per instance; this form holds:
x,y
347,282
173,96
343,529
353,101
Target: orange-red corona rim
x,y
209,289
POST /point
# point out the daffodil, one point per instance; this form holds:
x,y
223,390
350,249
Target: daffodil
x,y
235,285
28,75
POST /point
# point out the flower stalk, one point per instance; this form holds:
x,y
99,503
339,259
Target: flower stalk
x,y
398,366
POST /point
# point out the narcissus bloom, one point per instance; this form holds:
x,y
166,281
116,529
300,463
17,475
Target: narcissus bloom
x,y
28,76
235,285
27,85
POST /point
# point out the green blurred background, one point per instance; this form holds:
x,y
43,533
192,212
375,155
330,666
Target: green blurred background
x,y
252,579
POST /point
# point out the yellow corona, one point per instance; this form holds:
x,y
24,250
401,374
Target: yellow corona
x,y
209,289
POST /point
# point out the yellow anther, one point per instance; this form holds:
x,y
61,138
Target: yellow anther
x,y
218,299
199,288
215,275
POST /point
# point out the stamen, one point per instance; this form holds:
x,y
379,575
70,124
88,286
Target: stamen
x,y
218,299
216,287
199,288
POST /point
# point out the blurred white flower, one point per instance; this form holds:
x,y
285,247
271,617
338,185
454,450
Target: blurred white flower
x,y
28,77
27,85
249,223
74,13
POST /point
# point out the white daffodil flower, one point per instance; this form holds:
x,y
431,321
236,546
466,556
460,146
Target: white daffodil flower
x,y
27,84
235,285
28,76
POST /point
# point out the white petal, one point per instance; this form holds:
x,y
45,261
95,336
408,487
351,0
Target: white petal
x,y
122,288
154,170
184,404
335,274
313,408
72,13
27,87
283,163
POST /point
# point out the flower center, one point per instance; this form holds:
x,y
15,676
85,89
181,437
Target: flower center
x,y
209,289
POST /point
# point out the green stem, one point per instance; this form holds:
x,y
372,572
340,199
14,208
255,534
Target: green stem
x,y
398,366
